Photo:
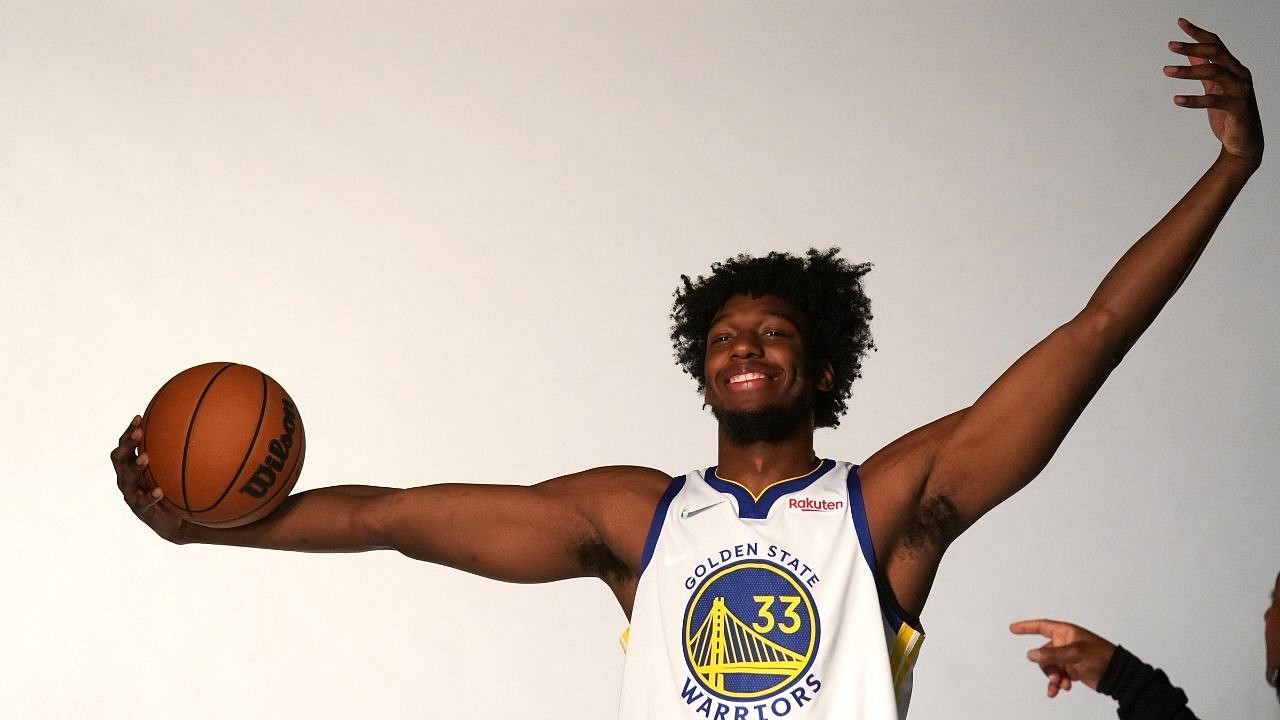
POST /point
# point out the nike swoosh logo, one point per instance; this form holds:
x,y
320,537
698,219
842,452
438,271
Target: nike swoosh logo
x,y
687,513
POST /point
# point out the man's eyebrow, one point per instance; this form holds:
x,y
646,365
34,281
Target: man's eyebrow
x,y
789,317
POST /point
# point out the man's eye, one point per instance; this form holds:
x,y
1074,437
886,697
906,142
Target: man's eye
x,y
719,338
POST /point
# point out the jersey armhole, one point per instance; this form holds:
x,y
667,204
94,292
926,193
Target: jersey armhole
x,y
655,525
889,607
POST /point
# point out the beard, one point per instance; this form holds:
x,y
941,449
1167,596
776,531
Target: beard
x,y
770,424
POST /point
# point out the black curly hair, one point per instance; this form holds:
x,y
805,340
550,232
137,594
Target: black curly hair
x,y
826,288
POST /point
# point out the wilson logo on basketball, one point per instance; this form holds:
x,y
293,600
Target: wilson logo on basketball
x,y
810,505
277,452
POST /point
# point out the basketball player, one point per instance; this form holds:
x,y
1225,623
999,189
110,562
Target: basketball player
x,y
777,583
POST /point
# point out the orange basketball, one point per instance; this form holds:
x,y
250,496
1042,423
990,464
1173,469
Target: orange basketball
x,y
225,444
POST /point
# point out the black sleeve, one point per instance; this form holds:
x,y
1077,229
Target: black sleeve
x,y
1144,692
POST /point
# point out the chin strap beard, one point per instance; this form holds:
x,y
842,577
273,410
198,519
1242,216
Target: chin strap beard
x,y
771,424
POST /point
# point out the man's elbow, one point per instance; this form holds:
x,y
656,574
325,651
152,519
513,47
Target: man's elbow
x,y
1102,333
373,522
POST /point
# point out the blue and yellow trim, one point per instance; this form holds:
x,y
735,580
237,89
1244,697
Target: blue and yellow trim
x,y
756,507
905,648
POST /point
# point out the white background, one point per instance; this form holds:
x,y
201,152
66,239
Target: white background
x,y
452,231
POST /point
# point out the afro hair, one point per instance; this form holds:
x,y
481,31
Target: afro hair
x,y
826,288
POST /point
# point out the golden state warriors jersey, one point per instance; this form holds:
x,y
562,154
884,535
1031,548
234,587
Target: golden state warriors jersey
x,y
765,607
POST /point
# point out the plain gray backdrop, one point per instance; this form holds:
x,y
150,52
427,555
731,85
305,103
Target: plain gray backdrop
x,y
452,231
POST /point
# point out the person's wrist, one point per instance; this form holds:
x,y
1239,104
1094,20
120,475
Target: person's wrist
x,y
183,535
1243,165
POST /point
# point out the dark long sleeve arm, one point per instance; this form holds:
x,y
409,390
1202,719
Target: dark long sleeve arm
x,y
1144,692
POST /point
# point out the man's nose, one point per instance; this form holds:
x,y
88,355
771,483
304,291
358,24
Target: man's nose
x,y
746,345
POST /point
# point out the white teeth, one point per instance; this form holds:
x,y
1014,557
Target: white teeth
x,y
744,377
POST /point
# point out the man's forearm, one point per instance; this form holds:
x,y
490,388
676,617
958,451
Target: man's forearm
x,y
1144,279
322,520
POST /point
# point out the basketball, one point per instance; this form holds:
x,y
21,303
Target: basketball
x,y
225,444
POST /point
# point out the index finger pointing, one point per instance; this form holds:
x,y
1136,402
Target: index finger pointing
x,y
1039,626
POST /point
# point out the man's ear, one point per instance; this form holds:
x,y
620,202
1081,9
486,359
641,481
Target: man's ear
x,y
826,376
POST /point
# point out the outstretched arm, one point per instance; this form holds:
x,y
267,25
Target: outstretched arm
x,y
1010,433
572,526
939,479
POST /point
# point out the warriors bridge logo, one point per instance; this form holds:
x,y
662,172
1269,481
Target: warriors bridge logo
x,y
750,632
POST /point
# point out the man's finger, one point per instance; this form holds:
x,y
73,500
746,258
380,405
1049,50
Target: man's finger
x,y
1048,656
1040,626
129,440
1196,32
1209,73
131,476
142,502
1229,105
1199,53
153,499
1217,52
1223,76
134,423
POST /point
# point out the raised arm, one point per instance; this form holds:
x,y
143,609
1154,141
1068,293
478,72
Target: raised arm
x,y
573,526
949,473
1009,434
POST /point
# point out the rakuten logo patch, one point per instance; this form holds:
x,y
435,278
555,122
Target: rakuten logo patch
x,y
810,505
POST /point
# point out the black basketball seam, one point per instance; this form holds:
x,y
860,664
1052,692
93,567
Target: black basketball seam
x,y
186,442
262,412
297,471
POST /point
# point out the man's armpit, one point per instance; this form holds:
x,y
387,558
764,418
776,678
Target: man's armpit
x,y
934,525
598,560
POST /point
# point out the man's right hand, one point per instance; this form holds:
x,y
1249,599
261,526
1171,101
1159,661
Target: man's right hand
x,y
139,493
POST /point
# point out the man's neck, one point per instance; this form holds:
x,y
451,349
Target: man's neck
x,y
759,465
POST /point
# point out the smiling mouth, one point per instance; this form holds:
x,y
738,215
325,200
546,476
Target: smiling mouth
x,y
746,379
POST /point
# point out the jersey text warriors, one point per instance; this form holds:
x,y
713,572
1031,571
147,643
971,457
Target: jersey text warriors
x,y
759,608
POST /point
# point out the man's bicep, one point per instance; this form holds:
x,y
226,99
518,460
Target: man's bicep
x,y
504,532
588,524
1010,433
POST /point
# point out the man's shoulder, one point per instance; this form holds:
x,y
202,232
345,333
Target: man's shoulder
x,y
629,475
614,484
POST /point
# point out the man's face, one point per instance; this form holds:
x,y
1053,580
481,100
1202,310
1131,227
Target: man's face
x,y
756,377
1273,635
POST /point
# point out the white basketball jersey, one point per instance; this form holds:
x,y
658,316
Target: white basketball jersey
x,y
760,608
